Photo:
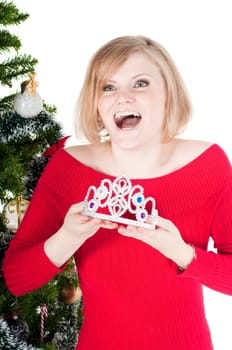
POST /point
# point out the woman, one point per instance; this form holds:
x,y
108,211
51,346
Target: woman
x,y
142,287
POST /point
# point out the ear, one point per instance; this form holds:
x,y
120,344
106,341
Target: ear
x,y
100,124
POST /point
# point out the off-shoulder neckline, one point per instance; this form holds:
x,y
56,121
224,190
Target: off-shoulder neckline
x,y
187,166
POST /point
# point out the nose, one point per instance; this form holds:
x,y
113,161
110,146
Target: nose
x,y
125,96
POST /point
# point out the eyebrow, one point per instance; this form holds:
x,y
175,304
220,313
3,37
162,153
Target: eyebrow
x,y
134,77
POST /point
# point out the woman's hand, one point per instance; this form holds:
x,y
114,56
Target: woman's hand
x,y
166,238
80,227
76,229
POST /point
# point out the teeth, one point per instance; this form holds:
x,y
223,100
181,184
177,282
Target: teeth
x,y
125,114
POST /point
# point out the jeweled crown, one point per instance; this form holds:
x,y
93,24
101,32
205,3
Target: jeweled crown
x,y
120,198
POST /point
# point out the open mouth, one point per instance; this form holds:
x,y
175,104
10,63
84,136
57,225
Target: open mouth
x,y
127,120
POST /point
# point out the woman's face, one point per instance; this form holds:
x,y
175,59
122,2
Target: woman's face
x,y
132,103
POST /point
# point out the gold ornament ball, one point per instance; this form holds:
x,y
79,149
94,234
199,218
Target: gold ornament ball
x,y
13,213
69,295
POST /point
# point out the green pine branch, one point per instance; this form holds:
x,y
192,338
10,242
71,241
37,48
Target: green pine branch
x,y
21,139
18,66
10,15
51,109
22,160
8,41
7,103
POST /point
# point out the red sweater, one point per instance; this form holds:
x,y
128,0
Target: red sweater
x,y
134,297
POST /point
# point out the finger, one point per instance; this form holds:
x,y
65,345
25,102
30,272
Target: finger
x,y
165,224
132,232
131,228
109,225
96,221
85,218
123,231
92,224
76,208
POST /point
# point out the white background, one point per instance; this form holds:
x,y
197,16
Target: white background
x,y
63,35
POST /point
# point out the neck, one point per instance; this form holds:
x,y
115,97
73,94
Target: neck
x,y
141,163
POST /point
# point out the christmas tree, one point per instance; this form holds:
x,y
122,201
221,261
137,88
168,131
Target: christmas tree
x,y
29,135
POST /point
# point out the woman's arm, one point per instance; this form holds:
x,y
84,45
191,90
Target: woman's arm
x,y
25,265
214,270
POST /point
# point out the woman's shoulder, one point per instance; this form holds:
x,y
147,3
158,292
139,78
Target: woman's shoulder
x,y
191,149
67,161
79,151
186,151
204,154
88,154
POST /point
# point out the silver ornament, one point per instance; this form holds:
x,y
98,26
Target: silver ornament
x,y
28,105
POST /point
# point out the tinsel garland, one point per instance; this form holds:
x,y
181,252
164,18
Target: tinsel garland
x,y
5,238
14,128
35,169
26,145
9,342
66,336
18,327
37,165
23,141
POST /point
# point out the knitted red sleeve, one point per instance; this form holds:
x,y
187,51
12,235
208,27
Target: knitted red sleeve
x,y
214,270
33,268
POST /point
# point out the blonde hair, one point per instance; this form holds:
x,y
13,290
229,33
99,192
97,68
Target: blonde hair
x,y
106,61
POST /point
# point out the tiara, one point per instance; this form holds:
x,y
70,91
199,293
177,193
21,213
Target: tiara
x,y
120,197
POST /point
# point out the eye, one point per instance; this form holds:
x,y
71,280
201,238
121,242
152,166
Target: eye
x,y
109,87
141,83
